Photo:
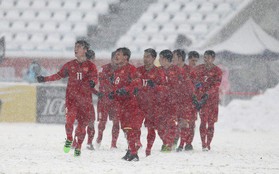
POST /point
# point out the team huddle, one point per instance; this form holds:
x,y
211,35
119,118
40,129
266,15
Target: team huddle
x,y
166,99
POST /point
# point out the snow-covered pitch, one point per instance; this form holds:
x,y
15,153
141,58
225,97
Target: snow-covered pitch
x,y
246,141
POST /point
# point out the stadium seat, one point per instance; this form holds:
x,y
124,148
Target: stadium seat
x,y
80,29
91,18
12,15
195,18
9,36
70,5
162,18
37,38
64,27
200,29
59,16
101,7
173,7
54,4
146,18
5,26
223,8
68,39
212,18
156,8
33,26
168,29
18,26
7,5
184,28
21,37
190,7
44,15
179,18
75,16
157,39
49,26
22,4
152,28
86,5
28,15
206,7
53,38
38,4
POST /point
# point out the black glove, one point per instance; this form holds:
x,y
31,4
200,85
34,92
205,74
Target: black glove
x,y
121,91
100,95
111,79
40,79
196,103
90,54
204,99
136,91
111,95
92,83
150,83
198,85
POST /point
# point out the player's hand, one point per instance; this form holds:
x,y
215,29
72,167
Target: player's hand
x,y
100,95
198,85
196,102
40,79
111,95
92,84
204,99
121,91
150,83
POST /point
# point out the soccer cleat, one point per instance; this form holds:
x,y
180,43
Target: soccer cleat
x,y
77,152
188,147
90,147
179,149
166,148
163,147
67,146
126,155
134,157
205,149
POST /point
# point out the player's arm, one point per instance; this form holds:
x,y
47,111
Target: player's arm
x,y
62,73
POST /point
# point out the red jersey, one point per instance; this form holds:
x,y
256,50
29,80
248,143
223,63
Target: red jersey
x,y
79,76
147,95
105,78
125,77
207,80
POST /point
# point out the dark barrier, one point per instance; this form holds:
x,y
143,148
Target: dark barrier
x,y
51,104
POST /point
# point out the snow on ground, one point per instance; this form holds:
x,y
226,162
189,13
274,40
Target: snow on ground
x,y
246,141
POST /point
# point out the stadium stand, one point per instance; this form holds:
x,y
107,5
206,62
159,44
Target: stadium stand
x,y
48,22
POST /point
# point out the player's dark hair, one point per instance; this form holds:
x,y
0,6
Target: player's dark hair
x,y
125,51
180,53
151,51
210,53
193,54
166,54
113,54
90,54
85,44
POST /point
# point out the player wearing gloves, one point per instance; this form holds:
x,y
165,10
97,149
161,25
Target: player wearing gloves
x,y
82,75
107,107
207,79
167,100
123,93
152,78
185,110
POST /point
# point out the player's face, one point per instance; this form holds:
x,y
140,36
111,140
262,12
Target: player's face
x,y
175,59
120,59
162,61
193,61
80,52
208,60
148,60
113,61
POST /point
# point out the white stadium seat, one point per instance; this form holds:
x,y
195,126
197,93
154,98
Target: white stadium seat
x,y
195,18
151,28
21,37
22,4
9,36
33,26
5,26
54,4
44,15
200,29
18,26
179,18
212,18
28,15
53,38
101,7
59,16
75,16
80,29
206,7
146,18
223,8
155,7
91,18
49,26
70,5
168,29
86,5
37,38
64,27
12,15
184,28
7,4
38,4
190,7
173,7
162,18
